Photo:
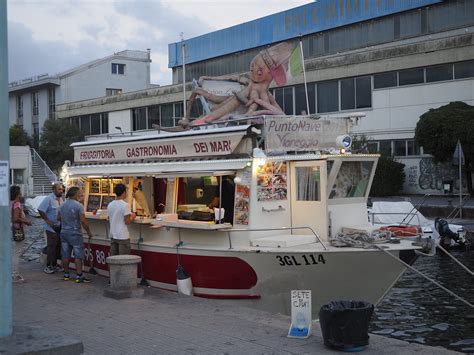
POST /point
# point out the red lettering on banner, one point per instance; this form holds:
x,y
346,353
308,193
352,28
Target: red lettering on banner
x,y
220,146
201,147
99,154
151,151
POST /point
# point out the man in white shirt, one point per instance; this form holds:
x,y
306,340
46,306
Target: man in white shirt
x,y
120,216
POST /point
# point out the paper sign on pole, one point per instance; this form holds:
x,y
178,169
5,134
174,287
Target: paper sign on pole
x,y
300,314
4,184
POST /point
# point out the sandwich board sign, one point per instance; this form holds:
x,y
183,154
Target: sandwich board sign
x,y
300,314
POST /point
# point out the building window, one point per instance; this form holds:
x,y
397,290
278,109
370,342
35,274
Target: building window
x,y
328,96
167,115
347,94
385,148
363,92
35,103
385,80
36,132
153,116
439,73
51,102
139,118
400,148
413,148
19,109
18,176
464,70
284,98
104,118
118,68
85,124
300,99
112,92
411,76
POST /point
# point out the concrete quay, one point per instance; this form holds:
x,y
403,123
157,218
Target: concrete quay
x,y
164,322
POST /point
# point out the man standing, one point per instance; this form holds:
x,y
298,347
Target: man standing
x,y
72,217
120,216
48,210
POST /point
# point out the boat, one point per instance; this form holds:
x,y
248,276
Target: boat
x,y
285,186
405,221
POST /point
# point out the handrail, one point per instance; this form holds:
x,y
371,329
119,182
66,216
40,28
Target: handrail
x,y
416,207
47,171
456,210
396,213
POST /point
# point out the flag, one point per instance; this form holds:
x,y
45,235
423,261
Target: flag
x,y
458,153
296,62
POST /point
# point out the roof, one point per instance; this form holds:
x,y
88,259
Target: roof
x,y
311,18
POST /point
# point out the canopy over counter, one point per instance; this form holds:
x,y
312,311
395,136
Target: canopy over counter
x,y
162,169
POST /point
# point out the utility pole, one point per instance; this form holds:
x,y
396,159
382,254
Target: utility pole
x,y
5,215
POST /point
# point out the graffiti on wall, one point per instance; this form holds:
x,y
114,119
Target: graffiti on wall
x,y
432,175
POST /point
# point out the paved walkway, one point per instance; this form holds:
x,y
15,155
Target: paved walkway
x,y
164,322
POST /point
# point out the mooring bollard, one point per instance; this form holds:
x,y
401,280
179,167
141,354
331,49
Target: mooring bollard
x,y
123,277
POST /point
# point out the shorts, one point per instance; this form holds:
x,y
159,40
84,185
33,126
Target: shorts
x,y
72,242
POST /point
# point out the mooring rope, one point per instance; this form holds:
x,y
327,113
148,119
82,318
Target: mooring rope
x,y
426,277
456,260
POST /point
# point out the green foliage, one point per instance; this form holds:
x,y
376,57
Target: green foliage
x,y
55,141
438,130
389,177
18,136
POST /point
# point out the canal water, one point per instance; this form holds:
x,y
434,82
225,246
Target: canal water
x,y
416,310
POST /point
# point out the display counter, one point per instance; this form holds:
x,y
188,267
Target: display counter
x,y
184,224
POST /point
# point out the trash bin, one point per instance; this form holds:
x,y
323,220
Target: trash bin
x,y
345,324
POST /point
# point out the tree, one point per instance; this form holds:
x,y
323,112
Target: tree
x,y
438,131
389,177
18,136
55,141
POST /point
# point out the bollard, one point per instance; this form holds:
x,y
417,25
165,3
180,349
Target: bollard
x,y
123,277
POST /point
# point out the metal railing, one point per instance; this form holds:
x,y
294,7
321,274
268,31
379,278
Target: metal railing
x,y
47,171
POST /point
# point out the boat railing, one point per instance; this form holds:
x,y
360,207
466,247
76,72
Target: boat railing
x,y
273,229
402,223
415,208
457,210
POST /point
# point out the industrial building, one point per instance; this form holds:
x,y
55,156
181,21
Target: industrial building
x,y
392,59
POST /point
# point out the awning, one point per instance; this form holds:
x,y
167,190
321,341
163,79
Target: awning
x,y
162,169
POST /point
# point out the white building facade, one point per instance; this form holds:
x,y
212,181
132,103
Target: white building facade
x,y
32,101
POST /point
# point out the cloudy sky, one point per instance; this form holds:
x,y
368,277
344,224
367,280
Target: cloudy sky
x,y
51,36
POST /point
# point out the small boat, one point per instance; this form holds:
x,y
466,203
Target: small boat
x,y
248,210
405,221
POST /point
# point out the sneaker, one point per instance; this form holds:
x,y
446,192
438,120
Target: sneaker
x,y
58,268
49,270
82,279
66,277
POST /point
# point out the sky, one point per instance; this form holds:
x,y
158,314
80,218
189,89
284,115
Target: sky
x,y
51,36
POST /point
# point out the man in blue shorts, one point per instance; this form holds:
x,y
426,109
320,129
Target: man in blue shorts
x,y
72,217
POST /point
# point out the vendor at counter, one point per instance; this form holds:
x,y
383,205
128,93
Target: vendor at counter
x,y
120,216
228,197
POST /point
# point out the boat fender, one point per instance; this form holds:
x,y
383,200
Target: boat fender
x,y
183,281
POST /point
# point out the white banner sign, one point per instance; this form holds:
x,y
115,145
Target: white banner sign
x,y
187,146
291,134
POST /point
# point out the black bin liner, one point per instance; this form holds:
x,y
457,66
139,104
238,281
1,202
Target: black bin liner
x,y
345,324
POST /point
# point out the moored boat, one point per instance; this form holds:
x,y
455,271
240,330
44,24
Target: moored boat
x,y
248,210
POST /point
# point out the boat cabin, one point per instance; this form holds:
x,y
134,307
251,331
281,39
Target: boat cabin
x,y
293,173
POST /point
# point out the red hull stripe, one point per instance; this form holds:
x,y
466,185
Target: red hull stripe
x,y
213,272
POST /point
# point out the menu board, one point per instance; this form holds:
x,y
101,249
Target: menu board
x,y
94,187
105,186
93,203
106,199
272,181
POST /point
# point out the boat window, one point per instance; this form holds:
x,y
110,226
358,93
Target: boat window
x,y
352,179
199,196
308,185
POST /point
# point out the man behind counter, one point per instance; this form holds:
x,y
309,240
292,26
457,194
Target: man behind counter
x,y
120,216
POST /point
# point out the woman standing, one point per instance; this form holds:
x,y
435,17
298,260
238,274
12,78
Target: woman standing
x,y
18,234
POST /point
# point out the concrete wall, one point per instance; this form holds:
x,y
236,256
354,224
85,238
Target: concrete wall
x,y
93,82
20,159
121,119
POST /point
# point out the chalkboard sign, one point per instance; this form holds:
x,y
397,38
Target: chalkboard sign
x,y
105,186
105,201
93,203
94,186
